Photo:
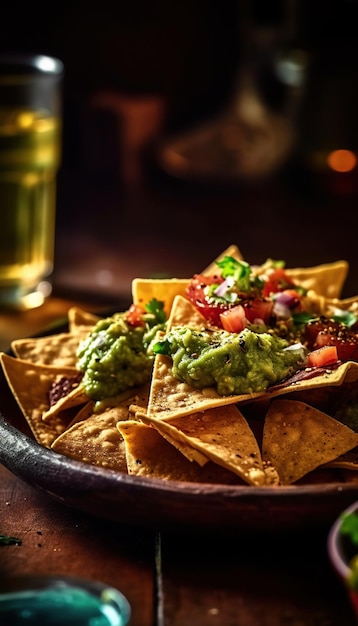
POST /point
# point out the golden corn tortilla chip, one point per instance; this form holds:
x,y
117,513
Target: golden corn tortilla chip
x,y
170,397
232,251
75,397
95,440
184,313
137,396
30,384
347,461
93,437
58,350
191,453
326,279
80,320
150,455
83,413
332,305
78,396
223,435
298,438
164,290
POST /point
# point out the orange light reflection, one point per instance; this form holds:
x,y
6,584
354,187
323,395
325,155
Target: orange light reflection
x,y
342,160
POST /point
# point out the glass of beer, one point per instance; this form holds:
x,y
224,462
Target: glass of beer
x,y
30,153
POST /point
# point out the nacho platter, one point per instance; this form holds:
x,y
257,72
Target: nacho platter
x,y
198,492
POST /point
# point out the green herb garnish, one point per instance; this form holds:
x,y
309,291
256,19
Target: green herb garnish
x,y
6,540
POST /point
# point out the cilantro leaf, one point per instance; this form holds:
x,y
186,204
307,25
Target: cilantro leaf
x,y
155,309
162,347
348,318
239,270
6,540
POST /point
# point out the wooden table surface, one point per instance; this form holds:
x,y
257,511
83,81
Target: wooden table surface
x,y
174,579
269,579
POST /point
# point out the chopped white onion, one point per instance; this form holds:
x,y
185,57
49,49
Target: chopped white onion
x,y
281,310
295,346
224,286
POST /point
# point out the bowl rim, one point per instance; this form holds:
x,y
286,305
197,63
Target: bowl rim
x,y
334,544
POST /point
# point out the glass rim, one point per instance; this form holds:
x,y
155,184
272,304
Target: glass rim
x,y
29,65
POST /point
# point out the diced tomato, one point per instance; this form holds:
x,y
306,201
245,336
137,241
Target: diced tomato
x,y
134,316
258,309
320,326
277,281
234,319
327,355
255,310
196,294
329,333
347,346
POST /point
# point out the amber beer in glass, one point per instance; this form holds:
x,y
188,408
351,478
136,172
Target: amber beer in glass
x,y
30,152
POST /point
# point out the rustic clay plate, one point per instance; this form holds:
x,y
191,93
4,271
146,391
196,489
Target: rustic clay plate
x,y
163,504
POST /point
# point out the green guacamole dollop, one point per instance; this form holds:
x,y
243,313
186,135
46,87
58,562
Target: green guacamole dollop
x,y
246,362
116,356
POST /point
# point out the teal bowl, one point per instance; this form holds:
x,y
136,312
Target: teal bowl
x,y
341,551
61,601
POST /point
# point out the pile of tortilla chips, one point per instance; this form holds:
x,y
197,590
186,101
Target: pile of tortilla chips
x,y
168,430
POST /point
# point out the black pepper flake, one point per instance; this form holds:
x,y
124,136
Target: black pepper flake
x,y
242,344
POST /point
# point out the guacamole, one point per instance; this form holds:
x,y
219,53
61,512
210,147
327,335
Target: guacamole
x,y
116,356
246,362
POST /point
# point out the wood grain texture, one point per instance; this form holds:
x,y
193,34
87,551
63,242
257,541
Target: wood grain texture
x,y
58,541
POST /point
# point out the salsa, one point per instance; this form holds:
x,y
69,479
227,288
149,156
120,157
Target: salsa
x,y
240,294
264,298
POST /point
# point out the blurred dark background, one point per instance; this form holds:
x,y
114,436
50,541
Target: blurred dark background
x,y
188,53
275,83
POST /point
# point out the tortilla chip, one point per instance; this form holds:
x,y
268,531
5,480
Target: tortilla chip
x,y
93,437
171,435
223,435
165,290
30,384
184,313
75,397
56,350
326,279
125,401
84,413
145,289
150,455
232,251
95,440
348,461
298,438
345,373
80,320
170,398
